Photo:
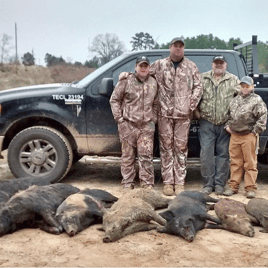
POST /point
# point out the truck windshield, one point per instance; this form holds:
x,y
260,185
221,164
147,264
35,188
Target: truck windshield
x,y
85,81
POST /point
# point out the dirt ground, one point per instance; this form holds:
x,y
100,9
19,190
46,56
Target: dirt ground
x,y
217,248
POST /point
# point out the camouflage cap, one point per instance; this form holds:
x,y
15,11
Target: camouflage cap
x,y
176,39
247,80
142,59
219,57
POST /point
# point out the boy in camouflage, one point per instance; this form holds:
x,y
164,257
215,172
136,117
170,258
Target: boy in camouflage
x,y
134,107
248,116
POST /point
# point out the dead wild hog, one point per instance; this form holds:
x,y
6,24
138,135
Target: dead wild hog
x,y
234,216
187,214
258,208
10,187
80,210
133,213
34,207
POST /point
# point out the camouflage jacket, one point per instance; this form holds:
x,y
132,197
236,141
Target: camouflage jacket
x,y
177,88
134,100
216,97
247,114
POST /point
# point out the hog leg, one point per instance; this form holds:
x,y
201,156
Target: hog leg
x,y
49,229
210,206
147,214
157,218
50,221
161,229
138,227
211,199
253,220
213,219
213,226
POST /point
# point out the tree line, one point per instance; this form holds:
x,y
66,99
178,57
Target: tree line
x,y
108,46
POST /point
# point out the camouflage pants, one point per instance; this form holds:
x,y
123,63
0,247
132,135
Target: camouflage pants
x,y
173,138
140,139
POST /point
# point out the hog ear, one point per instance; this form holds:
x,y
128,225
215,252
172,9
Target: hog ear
x,y
265,216
92,213
227,216
104,211
167,215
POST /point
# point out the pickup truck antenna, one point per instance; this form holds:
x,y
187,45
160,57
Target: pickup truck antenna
x,y
249,50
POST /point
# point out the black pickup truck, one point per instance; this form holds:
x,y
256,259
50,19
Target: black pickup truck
x,y
47,128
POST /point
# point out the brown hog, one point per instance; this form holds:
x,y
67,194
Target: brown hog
x,y
133,213
234,217
80,210
258,208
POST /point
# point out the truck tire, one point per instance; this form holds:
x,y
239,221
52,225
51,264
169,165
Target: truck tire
x,y
40,151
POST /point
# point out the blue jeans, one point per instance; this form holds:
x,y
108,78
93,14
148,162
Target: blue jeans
x,y
214,156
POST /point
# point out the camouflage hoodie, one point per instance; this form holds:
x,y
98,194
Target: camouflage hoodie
x,y
216,97
247,114
134,100
177,88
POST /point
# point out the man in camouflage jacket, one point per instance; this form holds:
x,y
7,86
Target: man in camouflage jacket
x,y
179,93
248,117
219,88
134,107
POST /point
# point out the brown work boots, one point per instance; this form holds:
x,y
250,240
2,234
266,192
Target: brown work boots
x,y
170,189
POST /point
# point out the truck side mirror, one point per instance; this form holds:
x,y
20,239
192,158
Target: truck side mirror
x,y
106,87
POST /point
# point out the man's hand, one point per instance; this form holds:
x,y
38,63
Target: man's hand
x,y
229,130
123,76
192,104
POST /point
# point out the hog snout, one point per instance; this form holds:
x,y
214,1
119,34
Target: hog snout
x,y
250,233
190,238
71,230
107,239
72,233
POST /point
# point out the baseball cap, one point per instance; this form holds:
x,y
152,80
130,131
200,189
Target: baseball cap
x,y
219,57
247,80
142,59
176,39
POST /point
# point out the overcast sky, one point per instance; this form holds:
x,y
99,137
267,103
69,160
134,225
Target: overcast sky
x,y
67,27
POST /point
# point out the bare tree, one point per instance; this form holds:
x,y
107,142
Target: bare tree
x,y
107,46
5,47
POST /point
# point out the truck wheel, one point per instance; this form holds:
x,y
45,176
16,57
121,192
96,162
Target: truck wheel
x,y
40,152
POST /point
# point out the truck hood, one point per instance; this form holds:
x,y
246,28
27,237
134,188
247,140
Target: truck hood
x,y
33,91
35,87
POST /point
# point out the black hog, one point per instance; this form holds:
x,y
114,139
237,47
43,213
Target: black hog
x,y
234,217
187,214
34,207
106,199
258,208
10,187
133,213
80,210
